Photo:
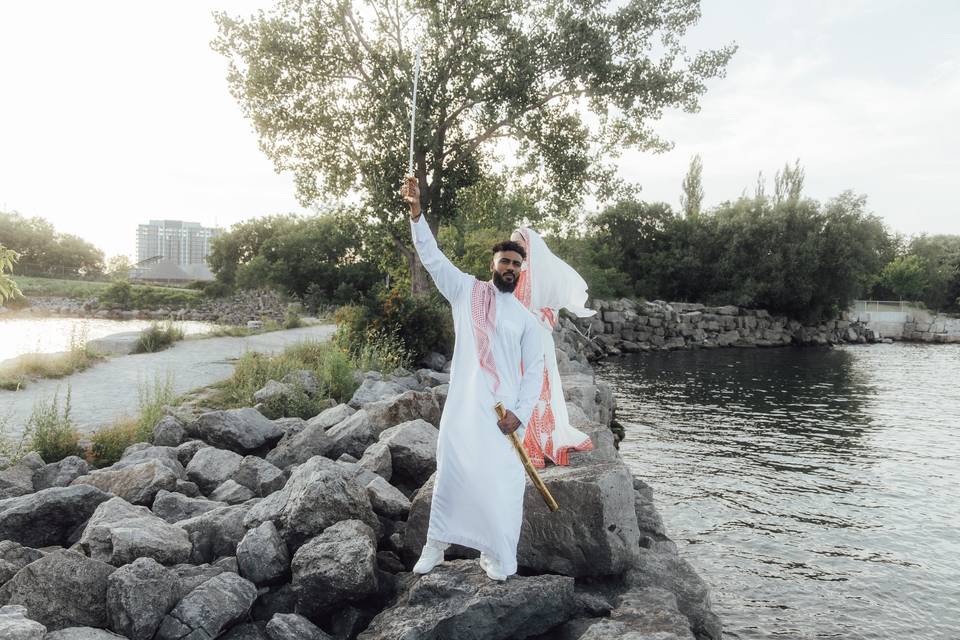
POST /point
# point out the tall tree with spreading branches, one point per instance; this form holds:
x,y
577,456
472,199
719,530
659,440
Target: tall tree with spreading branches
x,y
691,195
562,86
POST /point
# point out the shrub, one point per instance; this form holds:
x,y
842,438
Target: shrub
x,y
110,442
158,337
51,434
292,319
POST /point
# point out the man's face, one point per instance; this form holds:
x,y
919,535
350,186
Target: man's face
x,y
506,268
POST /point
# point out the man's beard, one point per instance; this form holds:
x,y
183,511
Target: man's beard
x,y
503,285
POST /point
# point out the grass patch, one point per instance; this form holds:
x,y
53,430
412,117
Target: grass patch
x,y
30,366
124,294
50,432
158,337
111,441
379,350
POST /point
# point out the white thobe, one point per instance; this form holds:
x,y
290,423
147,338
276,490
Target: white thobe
x,y
478,494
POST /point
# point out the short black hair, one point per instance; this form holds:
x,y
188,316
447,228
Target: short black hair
x,y
509,245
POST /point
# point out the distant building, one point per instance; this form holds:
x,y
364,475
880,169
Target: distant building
x,y
173,250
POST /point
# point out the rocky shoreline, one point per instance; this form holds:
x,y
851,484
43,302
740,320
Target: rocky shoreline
x,y
236,526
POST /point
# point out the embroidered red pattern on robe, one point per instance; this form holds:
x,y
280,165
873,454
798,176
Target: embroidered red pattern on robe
x,y
483,310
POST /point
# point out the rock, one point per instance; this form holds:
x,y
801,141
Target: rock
x,y
458,600
174,507
82,633
208,610
59,474
246,631
48,517
210,467
119,532
262,555
303,379
187,488
228,564
372,390
434,360
292,626
387,500
336,567
430,378
192,576
137,483
231,492
377,459
334,415
258,475
642,613
346,457
16,480
139,595
169,432
274,393
274,600
14,625
216,533
241,430
440,393
352,436
188,449
319,493
413,451
408,406
14,557
63,589
594,397
300,447
290,426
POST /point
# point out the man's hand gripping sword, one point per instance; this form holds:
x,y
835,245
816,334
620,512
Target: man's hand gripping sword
x,y
525,459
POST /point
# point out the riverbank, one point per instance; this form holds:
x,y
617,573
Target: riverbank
x,y
232,520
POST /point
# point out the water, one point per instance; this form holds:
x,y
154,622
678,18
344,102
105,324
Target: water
x,y
815,490
52,335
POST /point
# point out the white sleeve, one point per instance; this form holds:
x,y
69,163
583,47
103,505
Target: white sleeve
x,y
449,280
531,350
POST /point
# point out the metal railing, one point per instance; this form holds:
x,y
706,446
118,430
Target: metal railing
x,y
876,306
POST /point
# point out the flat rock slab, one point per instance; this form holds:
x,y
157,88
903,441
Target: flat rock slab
x,y
48,517
117,344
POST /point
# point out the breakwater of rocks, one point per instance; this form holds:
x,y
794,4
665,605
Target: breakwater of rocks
x,y
230,524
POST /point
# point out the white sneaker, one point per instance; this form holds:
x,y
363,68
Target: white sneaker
x,y
492,567
431,556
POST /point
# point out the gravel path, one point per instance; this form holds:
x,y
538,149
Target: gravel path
x,y
109,390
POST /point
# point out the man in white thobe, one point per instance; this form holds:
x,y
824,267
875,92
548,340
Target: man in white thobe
x,y
498,357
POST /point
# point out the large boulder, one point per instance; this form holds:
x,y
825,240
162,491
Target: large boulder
x,y
210,467
336,567
191,576
15,625
174,507
377,459
60,474
62,589
258,475
142,452
300,447
334,415
262,555
169,432
119,532
374,390
352,436
595,397
304,380
293,626
386,499
139,595
48,517
231,492
319,493
216,533
241,430
641,613
82,633
408,406
137,483
14,557
457,600
210,609
413,452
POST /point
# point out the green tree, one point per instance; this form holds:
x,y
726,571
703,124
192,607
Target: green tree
x,y
118,267
906,277
940,256
691,197
8,288
44,251
570,84
788,183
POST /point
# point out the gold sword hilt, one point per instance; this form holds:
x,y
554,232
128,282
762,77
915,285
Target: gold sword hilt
x,y
525,459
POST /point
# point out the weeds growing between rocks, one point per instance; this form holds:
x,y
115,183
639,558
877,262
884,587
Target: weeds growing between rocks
x,y
51,433
110,442
158,337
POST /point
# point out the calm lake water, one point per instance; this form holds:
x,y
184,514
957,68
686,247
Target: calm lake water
x,y
50,335
816,491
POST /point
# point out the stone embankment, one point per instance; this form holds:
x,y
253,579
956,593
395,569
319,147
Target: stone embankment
x,y
236,310
626,326
233,525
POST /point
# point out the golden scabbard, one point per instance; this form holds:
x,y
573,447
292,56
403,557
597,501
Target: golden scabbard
x,y
525,459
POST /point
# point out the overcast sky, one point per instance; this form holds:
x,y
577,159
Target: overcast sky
x,y
113,113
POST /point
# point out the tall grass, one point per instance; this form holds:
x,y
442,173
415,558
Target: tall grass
x,y
22,369
110,442
379,351
158,337
50,432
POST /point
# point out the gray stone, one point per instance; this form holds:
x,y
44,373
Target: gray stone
x,y
241,430
210,467
377,459
210,609
411,405
262,555
15,481
188,449
434,360
14,624
319,493
169,432
82,633
137,483
413,451
274,392
303,379
440,393
63,589
174,507
258,475
229,564
334,415
191,576
430,378
274,600
293,626
352,436
216,533
139,595
300,447
119,532
48,517
246,631
457,600
231,492
336,567
387,500
642,613
14,557
143,452
187,488
371,390
60,474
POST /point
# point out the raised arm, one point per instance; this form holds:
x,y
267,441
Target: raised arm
x,y
449,280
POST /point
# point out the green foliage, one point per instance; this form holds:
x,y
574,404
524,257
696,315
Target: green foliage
x,y
158,337
691,198
109,443
939,256
50,433
906,277
292,319
8,288
45,252
130,296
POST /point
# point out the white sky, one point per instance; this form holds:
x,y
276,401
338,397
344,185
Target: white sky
x,y
113,113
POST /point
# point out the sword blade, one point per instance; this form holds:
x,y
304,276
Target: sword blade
x,y
413,108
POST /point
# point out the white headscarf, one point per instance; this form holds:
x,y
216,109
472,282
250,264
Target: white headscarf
x,y
553,284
